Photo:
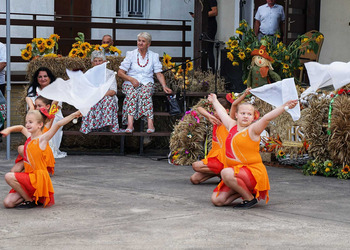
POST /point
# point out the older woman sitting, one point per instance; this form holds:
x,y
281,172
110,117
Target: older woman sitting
x,y
104,114
137,71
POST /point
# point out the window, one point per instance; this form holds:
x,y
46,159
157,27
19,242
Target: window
x,y
130,8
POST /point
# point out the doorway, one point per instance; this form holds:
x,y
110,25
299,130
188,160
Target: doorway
x,y
70,11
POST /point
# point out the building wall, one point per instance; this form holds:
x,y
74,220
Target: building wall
x,y
334,24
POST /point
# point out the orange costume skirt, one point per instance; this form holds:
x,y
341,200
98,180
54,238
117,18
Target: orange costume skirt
x,y
215,159
36,180
243,152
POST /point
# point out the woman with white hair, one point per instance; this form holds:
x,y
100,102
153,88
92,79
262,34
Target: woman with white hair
x,y
137,71
104,114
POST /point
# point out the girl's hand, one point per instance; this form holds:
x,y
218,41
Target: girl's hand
x,y
5,132
214,120
212,98
77,114
247,91
290,104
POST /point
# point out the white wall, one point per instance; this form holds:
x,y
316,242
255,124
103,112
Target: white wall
x,y
334,24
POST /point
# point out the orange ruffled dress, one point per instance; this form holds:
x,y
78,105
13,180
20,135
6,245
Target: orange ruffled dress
x,y
35,166
242,151
215,159
50,159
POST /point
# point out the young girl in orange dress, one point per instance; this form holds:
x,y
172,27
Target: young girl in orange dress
x,y
33,186
214,162
40,102
244,175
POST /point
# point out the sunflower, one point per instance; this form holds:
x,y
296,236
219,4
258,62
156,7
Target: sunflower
x,y
319,38
305,40
345,169
76,45
50,55
239,32
248,51
41,48
73,52
54,37
327,170
96,47
241,55
34,40
230,56
235,63
26,55
166,60
29,47
189,66
115,50
286,57
281,153
234,44
40,42
314,172
104,45
285,66
49,43
85,46
82,53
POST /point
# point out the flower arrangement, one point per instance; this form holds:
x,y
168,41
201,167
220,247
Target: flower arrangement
x,y
177,70
84,49
326,168
286,58
41,47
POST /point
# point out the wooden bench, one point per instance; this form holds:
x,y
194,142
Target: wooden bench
x,y
142,135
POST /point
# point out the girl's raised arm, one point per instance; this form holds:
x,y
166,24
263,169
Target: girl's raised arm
x,y
258,127
13,129
49,134
222,113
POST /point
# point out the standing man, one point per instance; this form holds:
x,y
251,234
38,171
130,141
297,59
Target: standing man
x,y
107,39
212,28
269,19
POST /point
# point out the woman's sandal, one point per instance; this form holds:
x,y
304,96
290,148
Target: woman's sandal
x,y
151,130
129,130
26,204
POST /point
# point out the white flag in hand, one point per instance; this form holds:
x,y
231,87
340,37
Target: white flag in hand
x,y
279,93
82,90
323,75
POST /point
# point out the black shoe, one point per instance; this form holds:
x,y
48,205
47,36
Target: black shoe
x,y
247,204
26,204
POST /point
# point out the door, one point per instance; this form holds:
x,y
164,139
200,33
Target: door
x,y
69,10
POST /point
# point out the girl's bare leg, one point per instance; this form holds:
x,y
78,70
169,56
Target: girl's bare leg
x,y
224,198
236,184
12,181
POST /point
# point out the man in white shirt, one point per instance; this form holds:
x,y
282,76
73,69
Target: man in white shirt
x,y
2,67
107,39
269,19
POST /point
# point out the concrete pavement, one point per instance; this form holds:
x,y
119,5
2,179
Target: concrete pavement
x,y
132,202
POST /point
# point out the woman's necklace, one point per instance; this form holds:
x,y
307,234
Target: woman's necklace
x,y
138,60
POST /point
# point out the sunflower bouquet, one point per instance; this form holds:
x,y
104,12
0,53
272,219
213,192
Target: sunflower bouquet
x,y
177,71
286,58
84,49
41,47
